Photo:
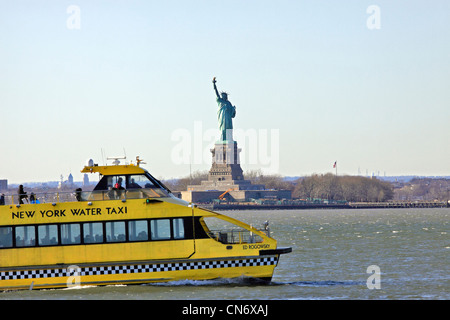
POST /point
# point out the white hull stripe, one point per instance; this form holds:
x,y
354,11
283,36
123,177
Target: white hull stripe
x,y
135,268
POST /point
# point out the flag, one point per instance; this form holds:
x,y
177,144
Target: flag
x,y
334,165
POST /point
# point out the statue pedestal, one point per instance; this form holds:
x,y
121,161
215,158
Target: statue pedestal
x,y
225,162
226,172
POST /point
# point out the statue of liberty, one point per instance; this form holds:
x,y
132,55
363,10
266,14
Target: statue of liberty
x,y
225,114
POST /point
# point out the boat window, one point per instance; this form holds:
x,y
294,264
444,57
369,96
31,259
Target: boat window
x,y
48,235
25,236
178,228
138,181
160,229
93,232
138,230
118,231
117,182
227,232
115,231
70,233
117,186
6,237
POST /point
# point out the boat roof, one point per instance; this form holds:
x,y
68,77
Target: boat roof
x,y
114,170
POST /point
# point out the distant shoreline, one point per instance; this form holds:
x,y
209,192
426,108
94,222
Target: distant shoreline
x,y
353,205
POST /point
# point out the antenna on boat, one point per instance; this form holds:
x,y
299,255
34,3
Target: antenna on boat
x,y
116,161
103,156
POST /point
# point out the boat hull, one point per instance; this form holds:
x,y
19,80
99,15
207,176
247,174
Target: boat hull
x,y
59,245
139,272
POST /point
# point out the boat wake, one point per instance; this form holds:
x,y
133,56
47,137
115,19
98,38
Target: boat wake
x,y
240,281
322,283
248,281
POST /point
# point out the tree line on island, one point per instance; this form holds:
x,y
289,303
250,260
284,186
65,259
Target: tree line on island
x,y
317,186
349,188
331,187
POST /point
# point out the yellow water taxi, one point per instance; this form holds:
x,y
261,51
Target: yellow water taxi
x,y
130,229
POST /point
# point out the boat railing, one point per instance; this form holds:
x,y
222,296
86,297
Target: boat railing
x,y
74,196
236,236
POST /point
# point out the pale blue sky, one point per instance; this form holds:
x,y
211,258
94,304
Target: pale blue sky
x,y
137,71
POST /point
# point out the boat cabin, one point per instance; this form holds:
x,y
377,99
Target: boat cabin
x,y
123,182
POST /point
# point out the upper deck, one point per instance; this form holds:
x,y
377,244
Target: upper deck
x,y
114,170
117,182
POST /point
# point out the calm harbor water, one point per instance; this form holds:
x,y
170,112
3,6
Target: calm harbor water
x,y
332,250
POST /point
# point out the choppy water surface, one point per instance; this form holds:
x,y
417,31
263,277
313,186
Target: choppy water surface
x,y
332,250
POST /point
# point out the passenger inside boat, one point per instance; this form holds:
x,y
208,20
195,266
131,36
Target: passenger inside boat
x,y
132,186
124,182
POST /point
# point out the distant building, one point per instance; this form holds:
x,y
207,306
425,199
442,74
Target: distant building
x,y
66,183
4,184
85,180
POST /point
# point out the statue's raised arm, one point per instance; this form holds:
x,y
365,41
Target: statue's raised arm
x,y
215,87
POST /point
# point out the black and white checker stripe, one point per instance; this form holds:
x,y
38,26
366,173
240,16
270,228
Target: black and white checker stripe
x,y
136,268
